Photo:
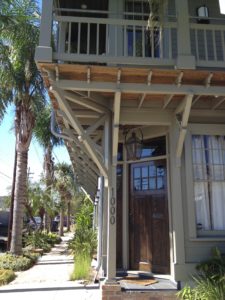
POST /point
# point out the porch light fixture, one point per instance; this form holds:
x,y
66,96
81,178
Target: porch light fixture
x,y
134,145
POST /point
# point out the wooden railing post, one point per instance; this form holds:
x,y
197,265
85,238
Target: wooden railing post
x,y
44,50
185,60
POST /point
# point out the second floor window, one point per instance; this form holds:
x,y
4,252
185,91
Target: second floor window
x,y
137,10
208,154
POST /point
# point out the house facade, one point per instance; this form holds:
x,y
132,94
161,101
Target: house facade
x,y
121,72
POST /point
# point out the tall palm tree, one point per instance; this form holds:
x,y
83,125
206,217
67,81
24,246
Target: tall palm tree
x,y
48,141
65,185
21,83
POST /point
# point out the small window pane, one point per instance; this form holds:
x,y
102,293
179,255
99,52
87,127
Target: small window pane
x,y
145,184
160,184
137,173
144,171
160,171
152,183
152,170
137,185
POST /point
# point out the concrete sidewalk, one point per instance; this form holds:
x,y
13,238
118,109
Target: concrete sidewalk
x,y
49,279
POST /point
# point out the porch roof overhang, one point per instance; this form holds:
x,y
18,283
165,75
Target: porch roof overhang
x,y
84,97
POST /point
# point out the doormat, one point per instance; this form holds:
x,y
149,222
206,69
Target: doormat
x,y
136,280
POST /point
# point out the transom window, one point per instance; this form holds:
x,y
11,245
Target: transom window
x,y
208,154
149,177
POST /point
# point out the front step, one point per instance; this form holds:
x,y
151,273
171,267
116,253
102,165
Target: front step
x,y
111,291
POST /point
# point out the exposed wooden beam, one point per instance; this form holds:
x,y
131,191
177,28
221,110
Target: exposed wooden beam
x,y
88,143
208,80
119,76
218,103
116,123
84,102
142,99
145,117
196,99
149,79
141,88
88,75
179,79
167,100
95,126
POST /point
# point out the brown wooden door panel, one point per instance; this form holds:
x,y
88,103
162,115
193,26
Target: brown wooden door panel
x,y
148,216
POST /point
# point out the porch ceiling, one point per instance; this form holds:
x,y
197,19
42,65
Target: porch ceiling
x,y
83,96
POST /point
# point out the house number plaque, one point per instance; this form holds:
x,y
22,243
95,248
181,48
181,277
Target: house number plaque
x,y
112,211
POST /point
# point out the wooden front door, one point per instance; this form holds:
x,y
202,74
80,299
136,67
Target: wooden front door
x,y
148,216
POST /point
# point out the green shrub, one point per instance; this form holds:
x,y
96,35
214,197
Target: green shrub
x,y
16,263
6,276
85,239
31,255
210,282
53,238
38,240
82,267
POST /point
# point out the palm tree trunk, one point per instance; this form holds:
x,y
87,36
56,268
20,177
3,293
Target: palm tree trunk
x,y
61,224
68,215
48,176
19,201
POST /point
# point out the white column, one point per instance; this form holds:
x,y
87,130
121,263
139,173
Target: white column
x,y
185,60
43,52
177,204
110,183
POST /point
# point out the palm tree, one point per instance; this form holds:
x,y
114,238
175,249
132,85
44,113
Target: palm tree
x,y
21,83
65,185
48,141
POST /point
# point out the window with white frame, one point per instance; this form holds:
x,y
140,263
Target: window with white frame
x,y
208,152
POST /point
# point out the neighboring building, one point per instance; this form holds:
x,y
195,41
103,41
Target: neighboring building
x,y
113,72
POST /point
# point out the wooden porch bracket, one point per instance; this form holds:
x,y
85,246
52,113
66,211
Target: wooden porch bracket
x,y
116,122
185,109
88,143
84,102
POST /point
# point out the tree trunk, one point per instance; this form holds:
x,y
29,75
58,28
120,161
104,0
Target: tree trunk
x,y
19,202
68,215
48,166
61,224
24,123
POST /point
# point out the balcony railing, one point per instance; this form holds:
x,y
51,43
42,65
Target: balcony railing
x,y
119,41
208,44
132,42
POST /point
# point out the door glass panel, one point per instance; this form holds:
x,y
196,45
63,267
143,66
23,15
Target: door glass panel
x,y
137,184
160,184
152,183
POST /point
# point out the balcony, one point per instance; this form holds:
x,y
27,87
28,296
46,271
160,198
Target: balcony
x,y
99,37
114,41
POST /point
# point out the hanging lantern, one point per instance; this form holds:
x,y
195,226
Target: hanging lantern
x,y
134,145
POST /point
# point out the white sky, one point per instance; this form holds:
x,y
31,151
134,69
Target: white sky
x,y
222,6
35,156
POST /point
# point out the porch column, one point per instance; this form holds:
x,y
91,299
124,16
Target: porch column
x,y
110,184
185,60
43,52
177,195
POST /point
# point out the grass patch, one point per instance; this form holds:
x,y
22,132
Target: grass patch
x,y
82,267
6,276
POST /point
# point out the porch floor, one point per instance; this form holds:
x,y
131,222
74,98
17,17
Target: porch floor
x,y
164,282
